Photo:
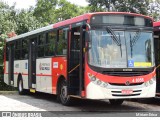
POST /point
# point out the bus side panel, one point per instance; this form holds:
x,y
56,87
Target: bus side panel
x,y
24,72
6,73
44,75
59,68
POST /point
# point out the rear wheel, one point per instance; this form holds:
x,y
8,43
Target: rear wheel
x,y
20,87
116,101
63,96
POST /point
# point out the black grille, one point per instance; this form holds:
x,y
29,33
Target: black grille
x,y
123,84
126,73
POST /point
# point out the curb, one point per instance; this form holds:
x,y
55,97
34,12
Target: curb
x,y
8,92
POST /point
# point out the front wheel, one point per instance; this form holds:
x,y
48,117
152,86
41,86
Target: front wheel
x,y
116,101
63,96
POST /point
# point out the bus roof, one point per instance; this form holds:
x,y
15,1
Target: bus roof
x,y
89,15
31,33
156,24
70,21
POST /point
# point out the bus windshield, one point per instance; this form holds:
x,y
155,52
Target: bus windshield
x,y
121,49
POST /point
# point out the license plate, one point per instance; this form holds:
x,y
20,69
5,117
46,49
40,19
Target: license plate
x,y
127,92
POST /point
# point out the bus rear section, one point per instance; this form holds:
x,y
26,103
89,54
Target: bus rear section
x,y
157,54
104,55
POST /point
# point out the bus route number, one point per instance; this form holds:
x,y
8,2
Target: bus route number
x,y
138,80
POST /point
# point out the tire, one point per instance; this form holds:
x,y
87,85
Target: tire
x,y
21,91
63,96
116,101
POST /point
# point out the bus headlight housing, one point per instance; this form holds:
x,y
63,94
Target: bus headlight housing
x,y
97,81
150,82
93,78
146,84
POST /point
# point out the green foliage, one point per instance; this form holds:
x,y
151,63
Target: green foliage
x,y
134,6
45,11
52,11
154,9
7,24
99,5
7,20
26,21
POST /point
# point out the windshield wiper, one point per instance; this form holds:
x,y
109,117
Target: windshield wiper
x,y
115,39
134,40
120,44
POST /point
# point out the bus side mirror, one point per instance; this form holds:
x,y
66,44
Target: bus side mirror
x,y
88,38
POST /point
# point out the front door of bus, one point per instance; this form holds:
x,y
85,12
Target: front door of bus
x,y
76,61
11,64
32,63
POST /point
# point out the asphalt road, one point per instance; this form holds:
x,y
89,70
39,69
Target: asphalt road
x,y
47,102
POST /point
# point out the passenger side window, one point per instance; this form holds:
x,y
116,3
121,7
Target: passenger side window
x,y
62,42
50,43
18,47
41,42
25,49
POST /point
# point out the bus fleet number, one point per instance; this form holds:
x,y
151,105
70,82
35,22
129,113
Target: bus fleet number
x,y
138,80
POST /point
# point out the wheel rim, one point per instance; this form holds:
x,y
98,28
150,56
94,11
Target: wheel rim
x,y
63,93
20,86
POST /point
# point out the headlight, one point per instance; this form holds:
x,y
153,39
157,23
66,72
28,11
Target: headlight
x,y
93,78
97,81
154,78
104,84
146,84
151,81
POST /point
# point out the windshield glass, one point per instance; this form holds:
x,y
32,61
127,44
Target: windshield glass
x,y
105,52
120,49
139,48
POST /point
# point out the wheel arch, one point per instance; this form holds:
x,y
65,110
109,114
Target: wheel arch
x,y
60,79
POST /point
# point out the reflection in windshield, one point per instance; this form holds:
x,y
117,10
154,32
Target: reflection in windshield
x,y
116,39
133,40
135,50
142,50
105,52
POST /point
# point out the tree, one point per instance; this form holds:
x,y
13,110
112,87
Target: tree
x,y
100,5
7,20
52,11
15,21
134,6
154,9
45,11
26,21
7,25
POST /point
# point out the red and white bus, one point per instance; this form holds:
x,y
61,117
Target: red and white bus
x,y
157,54
104,55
